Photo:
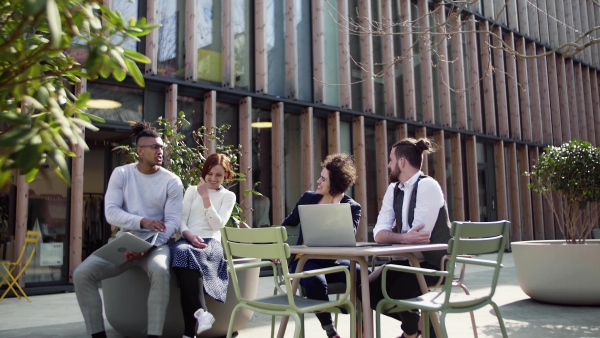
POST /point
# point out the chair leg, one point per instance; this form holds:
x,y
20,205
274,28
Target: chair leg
x,y
335,321
353,328
473,325
443,325
425,316
232,319
500,320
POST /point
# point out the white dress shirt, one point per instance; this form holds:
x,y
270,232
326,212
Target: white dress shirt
x,y
430,199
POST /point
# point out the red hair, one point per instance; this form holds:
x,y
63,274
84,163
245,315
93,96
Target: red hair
x,y
217,159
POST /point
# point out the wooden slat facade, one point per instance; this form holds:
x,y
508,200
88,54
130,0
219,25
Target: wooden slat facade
x,y
245,125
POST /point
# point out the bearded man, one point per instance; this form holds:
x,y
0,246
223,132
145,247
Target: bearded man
x,y
413,212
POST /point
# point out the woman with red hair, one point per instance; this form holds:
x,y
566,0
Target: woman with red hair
x,y
197,258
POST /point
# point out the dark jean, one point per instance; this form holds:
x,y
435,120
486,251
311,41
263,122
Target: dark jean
x,y
316,287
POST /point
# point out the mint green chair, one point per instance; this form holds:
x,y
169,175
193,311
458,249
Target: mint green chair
x,y
270,244
468,238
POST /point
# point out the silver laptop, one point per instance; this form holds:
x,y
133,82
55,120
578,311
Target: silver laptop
x,y
328,225
114,251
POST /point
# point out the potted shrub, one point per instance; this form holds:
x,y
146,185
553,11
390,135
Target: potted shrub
x,y
562,271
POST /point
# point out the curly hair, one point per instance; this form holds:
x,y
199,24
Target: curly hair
x,y
217,159
412,150
142,129
342,172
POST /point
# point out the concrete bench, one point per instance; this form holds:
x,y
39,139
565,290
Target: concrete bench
x,y
125,304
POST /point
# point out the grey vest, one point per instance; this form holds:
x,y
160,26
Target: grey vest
x,y
441,229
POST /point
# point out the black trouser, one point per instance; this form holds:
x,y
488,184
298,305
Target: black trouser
x,y
191,296
401,285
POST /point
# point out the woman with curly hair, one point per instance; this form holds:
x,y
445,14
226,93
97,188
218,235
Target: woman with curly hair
x,y
338,174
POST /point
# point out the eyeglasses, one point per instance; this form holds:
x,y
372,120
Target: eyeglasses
x,y
154,147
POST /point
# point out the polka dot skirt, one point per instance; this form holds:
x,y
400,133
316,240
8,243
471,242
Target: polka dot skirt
x,y
209,261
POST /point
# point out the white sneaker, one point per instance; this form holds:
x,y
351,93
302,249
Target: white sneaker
x,y
205,320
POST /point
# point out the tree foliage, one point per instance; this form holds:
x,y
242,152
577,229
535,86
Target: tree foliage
x,y
40,116
572,171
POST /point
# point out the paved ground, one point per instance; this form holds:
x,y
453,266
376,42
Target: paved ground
x,y
58,316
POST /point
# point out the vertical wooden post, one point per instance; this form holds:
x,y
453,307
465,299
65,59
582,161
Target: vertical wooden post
x,y
563,87
501,101
333,132
525,92
245,125
533,95
210,120
308,176
543,18
344,56
318,50
366,58
552,24
440,160
475,93
536,199
525,205
171,104
426,64
571,88
516,23
360,187
487,80
76,212
513,93
21,218
389,77
472,181
555,99
595,80
191,42
443,69
152,17
261,54
410,103
513,188
589,108
227,48
500,174
291,51
277,164
381,159
546,113
459,77
580,113
458,195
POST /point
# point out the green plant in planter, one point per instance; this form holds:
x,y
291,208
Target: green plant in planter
x,y
568,176
187,161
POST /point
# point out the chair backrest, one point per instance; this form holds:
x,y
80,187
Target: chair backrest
x,y
475,238
31,241
264,243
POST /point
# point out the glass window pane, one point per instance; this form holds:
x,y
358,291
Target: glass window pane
x,y
193,110
276,47
371,166
129,9
321,148
304,43
130,99
48,207
209,16
261,160
332,69
356,71
293,166
170,38
242,44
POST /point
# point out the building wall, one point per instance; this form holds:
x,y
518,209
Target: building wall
x,y
330,81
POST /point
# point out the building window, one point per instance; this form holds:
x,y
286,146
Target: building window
x,y
293,166
242,44
131,101
332,69
276,47
171,38
209,15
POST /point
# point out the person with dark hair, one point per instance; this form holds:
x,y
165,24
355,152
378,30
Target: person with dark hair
x,y
198,261
338,174
415,203
143,199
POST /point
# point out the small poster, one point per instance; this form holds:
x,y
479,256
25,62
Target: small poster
x,y
51,254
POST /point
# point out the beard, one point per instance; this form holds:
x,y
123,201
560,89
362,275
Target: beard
x,y
395,174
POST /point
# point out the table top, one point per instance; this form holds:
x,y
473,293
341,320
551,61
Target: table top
x,y
394,249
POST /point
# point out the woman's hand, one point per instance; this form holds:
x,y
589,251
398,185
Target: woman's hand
x,y
195,240
202,188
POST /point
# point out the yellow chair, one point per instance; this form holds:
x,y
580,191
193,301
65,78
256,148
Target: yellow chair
x,y
269,244
8,268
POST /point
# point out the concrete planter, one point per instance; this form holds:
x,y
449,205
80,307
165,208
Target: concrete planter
x,y
555,272
125,304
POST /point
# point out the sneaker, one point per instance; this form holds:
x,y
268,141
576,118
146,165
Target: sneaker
x,y
205,320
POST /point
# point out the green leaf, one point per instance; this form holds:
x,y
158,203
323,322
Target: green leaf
x,y
92,117
33,7
119,74
14,118
16,137
54,22
138,57
135,72
59,159
83,99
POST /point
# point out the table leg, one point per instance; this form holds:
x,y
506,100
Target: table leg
x,y
367,313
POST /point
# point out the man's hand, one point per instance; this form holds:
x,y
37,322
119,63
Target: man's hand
x,y
415,236
195,240
132,256
153,225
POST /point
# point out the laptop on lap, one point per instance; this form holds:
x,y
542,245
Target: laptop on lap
x,y
114,251
328,225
